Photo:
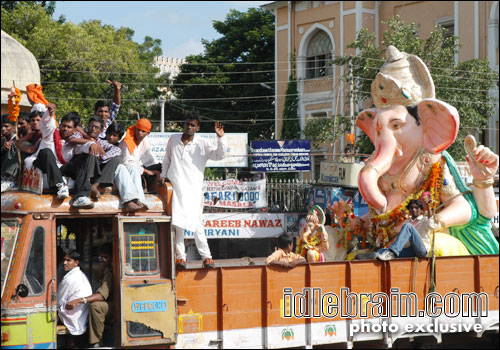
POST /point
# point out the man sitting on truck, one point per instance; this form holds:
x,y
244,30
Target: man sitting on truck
x,y
10,160
74,285
101,302
109,154
77,161
138,160
284,256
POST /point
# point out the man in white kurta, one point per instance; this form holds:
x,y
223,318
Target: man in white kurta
x,y
74,285
184,165
137,160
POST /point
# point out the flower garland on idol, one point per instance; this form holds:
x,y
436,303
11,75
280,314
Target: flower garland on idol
x,y
14,107
341,225
382,224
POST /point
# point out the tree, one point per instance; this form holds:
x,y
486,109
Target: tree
x,y
464,85
291,125
49,6
224,83
76,61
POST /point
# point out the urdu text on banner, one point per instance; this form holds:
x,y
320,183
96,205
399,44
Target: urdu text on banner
x,y
281,156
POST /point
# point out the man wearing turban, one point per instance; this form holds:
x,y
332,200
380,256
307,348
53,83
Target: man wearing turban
x,y
137,159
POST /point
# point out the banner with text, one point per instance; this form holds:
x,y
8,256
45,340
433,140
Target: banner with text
x,y
281,156
234,193
241,225
236,152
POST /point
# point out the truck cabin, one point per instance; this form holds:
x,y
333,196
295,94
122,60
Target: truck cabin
x,y
36,227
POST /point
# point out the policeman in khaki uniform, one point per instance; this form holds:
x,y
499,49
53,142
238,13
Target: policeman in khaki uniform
x,y
101,302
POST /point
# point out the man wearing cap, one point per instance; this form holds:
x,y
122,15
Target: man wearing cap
x,y
138,160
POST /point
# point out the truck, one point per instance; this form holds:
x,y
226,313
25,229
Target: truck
x,y
254,306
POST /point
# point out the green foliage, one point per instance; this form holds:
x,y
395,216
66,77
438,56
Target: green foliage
x,y
291,125
227,64
77,60
321,130
464,85
49,6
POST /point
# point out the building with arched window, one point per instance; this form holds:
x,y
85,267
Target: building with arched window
x,y
309,33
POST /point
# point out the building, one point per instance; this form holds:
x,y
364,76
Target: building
x,y
314,31
19,66
169,65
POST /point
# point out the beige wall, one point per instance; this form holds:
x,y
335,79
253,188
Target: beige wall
x,y
319,106
318,84
466,30
422,12
425,13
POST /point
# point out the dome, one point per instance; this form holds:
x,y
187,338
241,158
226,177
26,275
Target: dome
x,y
18,65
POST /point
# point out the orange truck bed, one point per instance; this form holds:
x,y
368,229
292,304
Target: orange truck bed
x,y
244,306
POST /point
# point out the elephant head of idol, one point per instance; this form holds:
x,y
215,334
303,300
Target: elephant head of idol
x,y
407,119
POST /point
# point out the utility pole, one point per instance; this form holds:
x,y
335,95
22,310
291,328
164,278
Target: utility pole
x,y
162,113
351,95
351,102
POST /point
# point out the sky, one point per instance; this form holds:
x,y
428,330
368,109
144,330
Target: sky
x,y
179,24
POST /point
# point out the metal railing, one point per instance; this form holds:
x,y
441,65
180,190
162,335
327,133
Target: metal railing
x,y
282,196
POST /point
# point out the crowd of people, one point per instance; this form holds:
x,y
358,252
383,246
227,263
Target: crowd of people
x,y
99,154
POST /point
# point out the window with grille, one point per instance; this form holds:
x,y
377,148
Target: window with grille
x,y
319,56
448,24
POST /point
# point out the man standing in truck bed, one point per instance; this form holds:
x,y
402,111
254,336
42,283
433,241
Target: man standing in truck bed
x,y
184,165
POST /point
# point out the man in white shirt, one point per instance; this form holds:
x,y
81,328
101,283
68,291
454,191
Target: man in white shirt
x,y
77,161
74,285
184,166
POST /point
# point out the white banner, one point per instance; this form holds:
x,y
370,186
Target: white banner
x,y
234,193
241,225
236,152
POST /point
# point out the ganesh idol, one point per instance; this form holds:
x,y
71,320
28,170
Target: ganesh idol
x,y
411,131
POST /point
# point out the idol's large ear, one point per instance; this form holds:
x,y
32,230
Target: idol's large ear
x,y
440,123
366,122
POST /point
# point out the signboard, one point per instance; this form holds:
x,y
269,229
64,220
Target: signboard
x,y
236,152
32,180
340,174
241,225
281,156
234,193
149,306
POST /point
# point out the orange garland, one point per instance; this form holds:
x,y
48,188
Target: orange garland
x,y
14,108
383,223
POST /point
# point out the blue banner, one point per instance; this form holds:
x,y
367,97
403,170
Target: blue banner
x,y
281,156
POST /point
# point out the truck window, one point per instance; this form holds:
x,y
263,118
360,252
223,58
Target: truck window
x,y
34,273
141,248
10,229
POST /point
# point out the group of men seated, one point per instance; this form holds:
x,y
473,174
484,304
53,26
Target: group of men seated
x,y
92,157
79,308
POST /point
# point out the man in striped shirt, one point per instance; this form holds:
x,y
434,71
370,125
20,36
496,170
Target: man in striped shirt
x,y
108,113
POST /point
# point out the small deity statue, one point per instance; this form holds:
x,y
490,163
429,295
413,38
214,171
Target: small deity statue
x,y
313,240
